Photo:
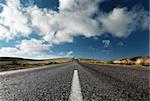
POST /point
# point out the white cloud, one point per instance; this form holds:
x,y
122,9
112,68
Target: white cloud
x,y
69,54
9,52
106,43
73,19
26,48
120,22
63,26
55,27
33,46
5,34
42,22
35,49
15,52
13,18
141,18
66,4
65,54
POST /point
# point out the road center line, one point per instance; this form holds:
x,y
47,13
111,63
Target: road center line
x,y
75,94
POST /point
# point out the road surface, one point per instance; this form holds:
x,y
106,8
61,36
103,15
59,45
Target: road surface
x,y
75,82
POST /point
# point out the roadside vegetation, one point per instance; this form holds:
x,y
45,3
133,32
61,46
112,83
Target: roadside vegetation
x,y
14,66
92,61
135,61
7,64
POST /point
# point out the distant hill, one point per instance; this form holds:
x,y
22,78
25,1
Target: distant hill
x,y
139,60
94,61
12,63
13,58
5,59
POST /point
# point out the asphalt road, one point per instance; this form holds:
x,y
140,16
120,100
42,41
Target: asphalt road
x,y
55,83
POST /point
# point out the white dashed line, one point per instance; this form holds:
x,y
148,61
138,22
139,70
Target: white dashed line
x,y
75,94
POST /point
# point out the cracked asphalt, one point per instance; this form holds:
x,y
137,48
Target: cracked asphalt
x,y
98,83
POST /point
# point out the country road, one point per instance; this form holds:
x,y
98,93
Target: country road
x,y
75,81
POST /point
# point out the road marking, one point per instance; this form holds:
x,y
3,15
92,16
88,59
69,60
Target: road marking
x,y
75,94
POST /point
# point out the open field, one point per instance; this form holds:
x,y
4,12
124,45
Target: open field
x,y
134,61
7,63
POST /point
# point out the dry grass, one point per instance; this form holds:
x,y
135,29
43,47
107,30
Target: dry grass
x,y
14,64
92,61
135,61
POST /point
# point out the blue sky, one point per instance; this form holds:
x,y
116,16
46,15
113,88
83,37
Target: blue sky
x,y
99,29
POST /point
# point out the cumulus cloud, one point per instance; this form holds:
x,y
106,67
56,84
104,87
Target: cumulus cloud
x,y
26,48
33,46
15,52
9,51
117,22
141,18
66,4
13,21
74,18
35,49
5,34
120,22
55,27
